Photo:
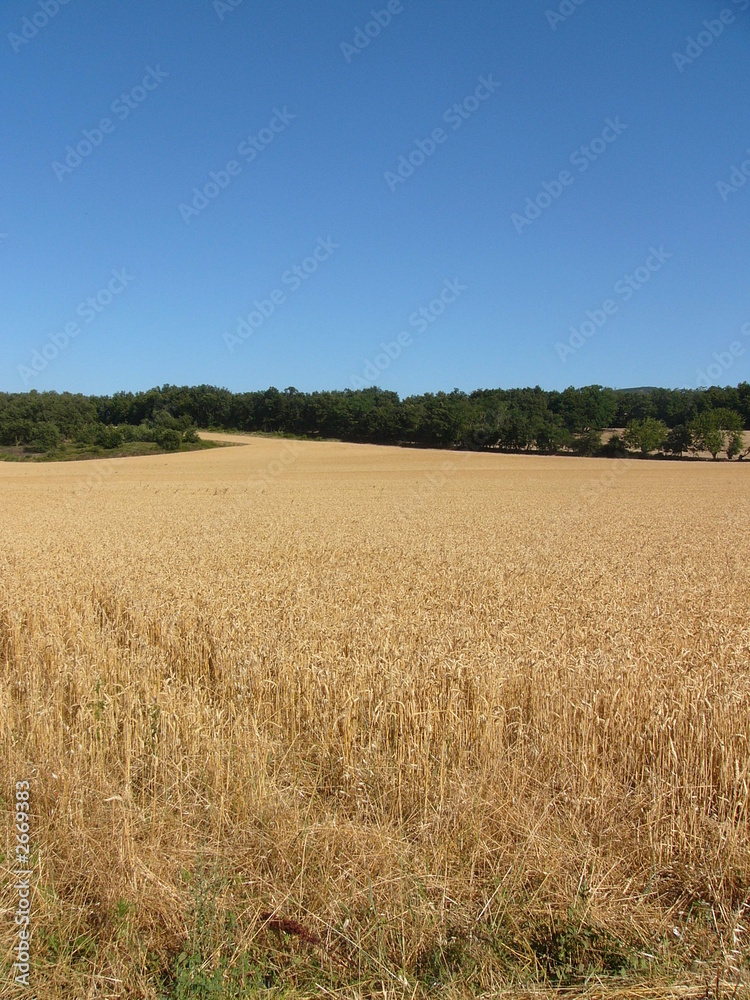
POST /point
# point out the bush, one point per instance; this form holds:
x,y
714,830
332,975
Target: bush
x,y
588,443
168,438
109,437
46,437
142,432
614,448
86,433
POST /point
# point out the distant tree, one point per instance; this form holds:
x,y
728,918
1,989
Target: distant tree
x,y
679,440
615,447
16,432
730,423
743,403
515,430
587,443
553,437
734,444
646,435
516,419
46,437
706,435
718,430
633,405
589,408
163,418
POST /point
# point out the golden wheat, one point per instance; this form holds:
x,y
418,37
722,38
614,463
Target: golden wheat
x,y
368,715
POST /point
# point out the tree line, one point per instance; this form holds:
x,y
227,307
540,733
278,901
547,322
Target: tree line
x,y
666,421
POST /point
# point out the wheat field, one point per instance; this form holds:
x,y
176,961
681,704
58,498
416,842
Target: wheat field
x,y
306,718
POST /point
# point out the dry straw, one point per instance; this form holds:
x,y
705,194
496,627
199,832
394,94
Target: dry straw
x,y
315,734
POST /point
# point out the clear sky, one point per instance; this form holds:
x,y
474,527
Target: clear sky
x,y
513,169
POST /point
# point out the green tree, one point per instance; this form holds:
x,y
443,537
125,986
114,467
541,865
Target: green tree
x,y
587,443
646,435
718,430
734,444
589,408
679,440
706,434
46,436
553,436
729,423
615,447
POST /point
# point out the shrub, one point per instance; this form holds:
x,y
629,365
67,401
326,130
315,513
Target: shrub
x,y
109,437
615,447
587,443
46,437
168,438
86,433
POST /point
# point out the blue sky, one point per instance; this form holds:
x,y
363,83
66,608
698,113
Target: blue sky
x,y
504,232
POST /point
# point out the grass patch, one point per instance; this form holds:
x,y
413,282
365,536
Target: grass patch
x,y
77,453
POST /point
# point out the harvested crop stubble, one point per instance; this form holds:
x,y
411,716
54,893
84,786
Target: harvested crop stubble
x,y
458,719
